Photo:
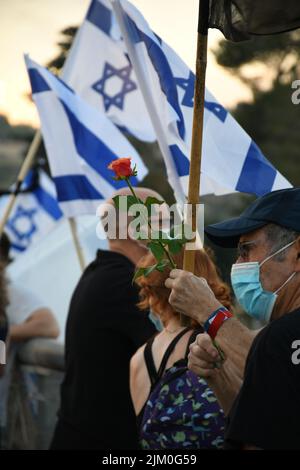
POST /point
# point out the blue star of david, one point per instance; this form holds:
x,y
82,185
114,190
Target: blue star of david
x,y
216,109
19,214
187,84
127,86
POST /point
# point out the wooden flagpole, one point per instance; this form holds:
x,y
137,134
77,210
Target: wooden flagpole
x,y
78,248
197,131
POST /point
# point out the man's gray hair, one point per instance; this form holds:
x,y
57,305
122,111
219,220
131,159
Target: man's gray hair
x,y
278,237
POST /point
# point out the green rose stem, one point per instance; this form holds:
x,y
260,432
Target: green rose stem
x,y
149,225
172,264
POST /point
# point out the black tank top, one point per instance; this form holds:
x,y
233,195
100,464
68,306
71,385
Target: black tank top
x,y
155,375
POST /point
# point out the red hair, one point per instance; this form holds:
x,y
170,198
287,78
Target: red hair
x,y
154,294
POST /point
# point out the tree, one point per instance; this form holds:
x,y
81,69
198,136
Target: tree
x,y
68,36
19,132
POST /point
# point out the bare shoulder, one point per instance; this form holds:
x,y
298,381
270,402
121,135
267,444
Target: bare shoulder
x,y
137,360
139,380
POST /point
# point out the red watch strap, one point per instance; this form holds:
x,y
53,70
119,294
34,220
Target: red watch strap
x,y
220,317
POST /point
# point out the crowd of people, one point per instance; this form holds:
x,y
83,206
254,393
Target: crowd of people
x,y
164,363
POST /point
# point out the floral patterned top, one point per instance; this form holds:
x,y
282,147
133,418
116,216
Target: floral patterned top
x,y
181,410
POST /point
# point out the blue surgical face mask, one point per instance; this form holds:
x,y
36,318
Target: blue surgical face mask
x,y
156,321
245,279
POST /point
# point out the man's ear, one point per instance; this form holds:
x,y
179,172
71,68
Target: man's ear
x,y
297,248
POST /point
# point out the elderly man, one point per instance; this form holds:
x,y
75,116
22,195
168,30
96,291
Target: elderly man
x,y
265,409
104,329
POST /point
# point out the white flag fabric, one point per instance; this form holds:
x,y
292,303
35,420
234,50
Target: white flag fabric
x,y
99,70
35,213
231,161
80,143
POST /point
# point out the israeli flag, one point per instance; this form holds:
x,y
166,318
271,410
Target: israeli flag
x,y
80,143
231,161
35,213
99,70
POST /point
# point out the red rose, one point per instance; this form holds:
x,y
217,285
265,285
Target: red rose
x,y
122,168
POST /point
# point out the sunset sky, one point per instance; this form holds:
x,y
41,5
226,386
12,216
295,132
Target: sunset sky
x,y
33,26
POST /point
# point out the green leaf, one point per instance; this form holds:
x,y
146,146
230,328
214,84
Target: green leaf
x,y
138,273
144,272
116,200
156,249
175,246
159,235
149,270
152,200
162,264
130,201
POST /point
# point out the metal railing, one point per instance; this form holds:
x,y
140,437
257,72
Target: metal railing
x,y
34,394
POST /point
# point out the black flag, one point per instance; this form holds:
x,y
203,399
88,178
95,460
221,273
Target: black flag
x,y
240,19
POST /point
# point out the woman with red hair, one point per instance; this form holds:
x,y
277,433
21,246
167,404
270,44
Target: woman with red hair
x,y
174,407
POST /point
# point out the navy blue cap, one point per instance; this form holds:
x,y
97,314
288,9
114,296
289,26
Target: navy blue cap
x,y
279,207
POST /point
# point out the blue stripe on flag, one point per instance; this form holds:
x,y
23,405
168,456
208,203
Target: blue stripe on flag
x,y
29,180
65,84
73,187
181,162
16,247
100,16
257,175
41,84
48,202
38,83
94,151
163,70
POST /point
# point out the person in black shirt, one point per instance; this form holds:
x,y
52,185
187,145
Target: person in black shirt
x,y
262,400
104,329
266,411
